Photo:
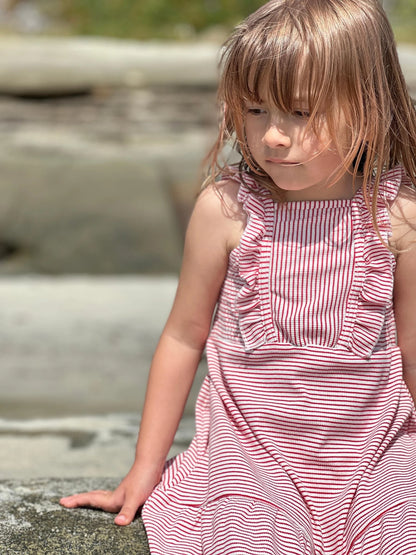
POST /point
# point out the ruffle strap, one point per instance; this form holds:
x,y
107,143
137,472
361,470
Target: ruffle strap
x,y
375,295
256,203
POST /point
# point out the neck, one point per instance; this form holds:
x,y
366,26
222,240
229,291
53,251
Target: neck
x,y
343,189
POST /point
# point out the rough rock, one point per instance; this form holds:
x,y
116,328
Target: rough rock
x,y
33,523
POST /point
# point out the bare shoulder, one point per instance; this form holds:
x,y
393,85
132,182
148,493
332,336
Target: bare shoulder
x,y
222,195
219,210
403,220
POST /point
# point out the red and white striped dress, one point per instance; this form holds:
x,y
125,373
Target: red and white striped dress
x,y
305,432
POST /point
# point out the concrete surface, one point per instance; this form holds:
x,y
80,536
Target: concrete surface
x,y
33,523
84,344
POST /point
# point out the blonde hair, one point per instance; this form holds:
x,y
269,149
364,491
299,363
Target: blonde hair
x,y
340,54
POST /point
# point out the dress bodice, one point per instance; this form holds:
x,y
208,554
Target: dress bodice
x,y
315,272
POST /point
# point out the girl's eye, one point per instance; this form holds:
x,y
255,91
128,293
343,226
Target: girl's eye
x,y
301,113
256,111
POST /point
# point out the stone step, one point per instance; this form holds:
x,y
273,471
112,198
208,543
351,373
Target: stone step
x,y
63,65
75,446
80,345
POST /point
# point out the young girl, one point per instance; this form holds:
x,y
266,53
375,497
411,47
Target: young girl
x,y
305,429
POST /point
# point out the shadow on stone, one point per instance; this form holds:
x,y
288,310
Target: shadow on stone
x,y
32,521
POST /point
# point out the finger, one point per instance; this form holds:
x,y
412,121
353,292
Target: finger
x,y
127,514
79,499
99,499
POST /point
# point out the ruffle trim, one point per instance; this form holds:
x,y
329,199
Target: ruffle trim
x,y
375,295
256,203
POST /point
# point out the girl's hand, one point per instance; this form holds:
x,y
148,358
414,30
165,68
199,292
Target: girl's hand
x,y
126,499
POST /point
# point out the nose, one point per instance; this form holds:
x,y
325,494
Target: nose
x,y
275,136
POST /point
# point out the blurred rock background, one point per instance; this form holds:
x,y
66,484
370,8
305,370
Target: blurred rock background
x,y
106,111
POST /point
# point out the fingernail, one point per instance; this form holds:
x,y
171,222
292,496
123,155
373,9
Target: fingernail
x,y
121,519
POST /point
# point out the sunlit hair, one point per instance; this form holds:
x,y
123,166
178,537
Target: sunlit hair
x,y
341,56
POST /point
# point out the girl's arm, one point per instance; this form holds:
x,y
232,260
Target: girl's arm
x,y
214,229
404,239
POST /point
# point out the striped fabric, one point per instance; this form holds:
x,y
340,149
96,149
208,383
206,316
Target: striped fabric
x,y
305,432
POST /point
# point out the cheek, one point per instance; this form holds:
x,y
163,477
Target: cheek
x,y
312,145
251,142
315,142
253,132
254,142
322,145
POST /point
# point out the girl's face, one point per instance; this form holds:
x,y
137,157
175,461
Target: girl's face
x,y
295,158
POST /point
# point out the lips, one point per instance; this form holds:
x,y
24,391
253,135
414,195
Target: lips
x,y
282,162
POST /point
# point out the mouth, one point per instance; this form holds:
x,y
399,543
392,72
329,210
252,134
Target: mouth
x,y
282,162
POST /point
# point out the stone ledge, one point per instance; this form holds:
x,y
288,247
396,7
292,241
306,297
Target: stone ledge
x,y
32,521
63,65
